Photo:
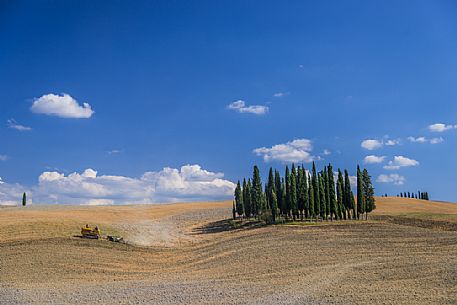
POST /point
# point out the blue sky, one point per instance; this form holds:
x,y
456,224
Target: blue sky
x,y
160,76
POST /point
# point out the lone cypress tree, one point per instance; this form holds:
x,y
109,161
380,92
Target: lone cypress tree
x,y
368,193
360,194
331,191
24,199
293,192
311,203
239,199
256,191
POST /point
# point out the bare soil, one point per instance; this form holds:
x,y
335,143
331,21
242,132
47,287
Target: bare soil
x,y
190,254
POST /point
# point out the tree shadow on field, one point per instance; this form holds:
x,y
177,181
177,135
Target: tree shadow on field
x,y
227,225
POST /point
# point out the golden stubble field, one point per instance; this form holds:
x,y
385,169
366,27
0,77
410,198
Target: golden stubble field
x,y
187,254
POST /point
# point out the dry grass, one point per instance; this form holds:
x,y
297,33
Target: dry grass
x,y
195,257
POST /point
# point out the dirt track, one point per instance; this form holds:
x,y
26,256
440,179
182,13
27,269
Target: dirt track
x,y
198,260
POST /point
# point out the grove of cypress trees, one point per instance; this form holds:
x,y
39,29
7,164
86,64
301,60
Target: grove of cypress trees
x,y
306,194
239,199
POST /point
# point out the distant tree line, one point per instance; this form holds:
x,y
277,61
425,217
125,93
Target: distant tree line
x,y
418,195
301,195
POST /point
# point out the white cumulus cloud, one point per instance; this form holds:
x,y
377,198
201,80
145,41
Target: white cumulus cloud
x,y
424,140
15,125
241,107
440,127
63,106
372,159
392,142
371,144
298,150
391,178
400,161
189,183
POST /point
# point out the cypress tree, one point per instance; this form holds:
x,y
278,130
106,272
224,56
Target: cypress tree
x,y
24,199
300,192
322,195
244,197
354,206
317,200
278,186
293,192
311,200
327,192
348,204
248,200
264,205
274,205
256,191
305,192
360,194
369,193
331,189
239,199
234,211
288,193
284,197
270,187
340,195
